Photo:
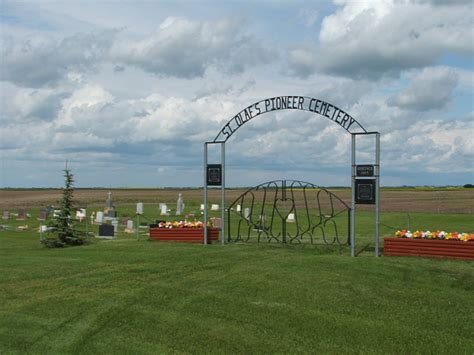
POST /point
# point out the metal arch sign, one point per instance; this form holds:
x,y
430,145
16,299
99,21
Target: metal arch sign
x,y
277,103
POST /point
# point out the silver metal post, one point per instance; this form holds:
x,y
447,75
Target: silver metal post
x,y
223,194
205,193
353,205
377,193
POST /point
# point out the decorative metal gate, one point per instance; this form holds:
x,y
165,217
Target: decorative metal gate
x,y
289,211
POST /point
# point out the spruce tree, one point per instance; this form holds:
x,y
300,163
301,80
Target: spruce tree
x,y
64,233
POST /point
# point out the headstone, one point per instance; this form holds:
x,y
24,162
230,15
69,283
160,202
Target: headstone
x,y
43,228
81,214
115,224
99,218
239,208
129,224
216,222
106,230
247,213
202,207
56,213
109,203
6,215
43,215
111,213
291,218
214,207
163,209
140,208
179,205
22,215
110,209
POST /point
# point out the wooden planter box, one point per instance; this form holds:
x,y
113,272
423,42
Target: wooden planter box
x,y
428,247
184,235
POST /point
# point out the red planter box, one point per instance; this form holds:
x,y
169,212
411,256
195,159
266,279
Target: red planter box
x,y
428,247
184,235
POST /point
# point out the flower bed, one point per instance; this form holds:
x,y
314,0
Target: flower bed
x,y
185,232
434,244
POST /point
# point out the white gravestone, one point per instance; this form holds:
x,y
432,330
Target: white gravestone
x,y
163,209
129,224
99,218
202,207
239,208
140,208
214,207
179,205
247,213
291,218
115,223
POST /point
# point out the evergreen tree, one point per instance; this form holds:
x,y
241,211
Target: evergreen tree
x,y
64,233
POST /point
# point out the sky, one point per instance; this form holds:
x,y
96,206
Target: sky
x,y
127,92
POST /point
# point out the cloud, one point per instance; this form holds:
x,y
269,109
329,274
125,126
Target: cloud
x,y
40,59
431,89
185,49
371,39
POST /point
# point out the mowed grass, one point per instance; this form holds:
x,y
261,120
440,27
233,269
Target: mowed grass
x,y
129,296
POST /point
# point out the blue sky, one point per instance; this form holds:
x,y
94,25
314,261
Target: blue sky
x,y
128,92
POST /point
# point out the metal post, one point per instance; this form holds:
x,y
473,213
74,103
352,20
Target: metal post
x,y
205,193
353,205
138,226
223,194
377,193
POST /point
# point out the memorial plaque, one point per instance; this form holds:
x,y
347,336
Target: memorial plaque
x,y
365,191
214,174
106,230
364,170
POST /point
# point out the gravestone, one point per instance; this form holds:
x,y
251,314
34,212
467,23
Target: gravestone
x,y
110,209
43,215
129,224
179,205
115,224
81,214
247,213
6,215
239,208
214,207
22,215
99,218
140,208
202,207
291,218
163,209
106,230
216,222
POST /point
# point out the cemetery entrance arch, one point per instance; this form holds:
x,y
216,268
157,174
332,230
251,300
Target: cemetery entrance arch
x,y
365,178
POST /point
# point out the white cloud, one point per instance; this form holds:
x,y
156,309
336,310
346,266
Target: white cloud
x,y
431,89
185,49
370,39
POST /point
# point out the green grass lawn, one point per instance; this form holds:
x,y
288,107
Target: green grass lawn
x,y
129,296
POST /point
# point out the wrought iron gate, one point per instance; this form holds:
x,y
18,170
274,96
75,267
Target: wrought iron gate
x,y
289,211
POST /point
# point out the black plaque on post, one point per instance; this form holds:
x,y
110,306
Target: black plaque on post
x,y
364,170
214,174
365,191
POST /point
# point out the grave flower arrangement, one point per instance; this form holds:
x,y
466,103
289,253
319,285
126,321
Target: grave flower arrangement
x,y
439,235
181,224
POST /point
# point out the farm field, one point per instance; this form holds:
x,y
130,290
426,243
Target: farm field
x,y
141,296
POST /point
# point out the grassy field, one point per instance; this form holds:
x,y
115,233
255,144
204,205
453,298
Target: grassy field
x,y
126,296
139,296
